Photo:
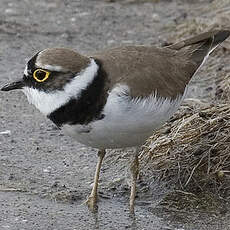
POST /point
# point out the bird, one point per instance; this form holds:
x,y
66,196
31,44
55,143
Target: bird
x,y
117,97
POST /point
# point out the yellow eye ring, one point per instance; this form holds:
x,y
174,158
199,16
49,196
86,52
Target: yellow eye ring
x,y
41,72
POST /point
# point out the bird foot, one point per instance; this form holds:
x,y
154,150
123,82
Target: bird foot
x,y
91,203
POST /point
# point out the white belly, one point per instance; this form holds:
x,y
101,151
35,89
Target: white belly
x,y
127,122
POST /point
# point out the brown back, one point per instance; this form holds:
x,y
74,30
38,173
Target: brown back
x,y
164,71
148,70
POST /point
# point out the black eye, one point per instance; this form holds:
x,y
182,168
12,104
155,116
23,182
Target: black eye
x,y
41,75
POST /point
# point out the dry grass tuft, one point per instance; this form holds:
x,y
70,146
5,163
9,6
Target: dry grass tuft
x,y
193,149
223,89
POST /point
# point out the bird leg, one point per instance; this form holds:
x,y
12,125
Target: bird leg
x,y
134,169
92,199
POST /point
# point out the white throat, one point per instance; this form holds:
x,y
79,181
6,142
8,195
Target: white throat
x,y
47,102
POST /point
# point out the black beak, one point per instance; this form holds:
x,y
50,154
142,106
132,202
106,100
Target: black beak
x,y
14,85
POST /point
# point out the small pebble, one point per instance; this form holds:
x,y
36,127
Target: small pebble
x,y
10,11
47,170
6,132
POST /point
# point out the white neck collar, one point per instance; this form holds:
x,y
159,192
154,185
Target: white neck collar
x,y
48,102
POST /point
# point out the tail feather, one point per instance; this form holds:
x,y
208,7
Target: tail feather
x,y
203,44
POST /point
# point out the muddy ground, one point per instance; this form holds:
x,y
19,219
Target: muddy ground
x,y
46,176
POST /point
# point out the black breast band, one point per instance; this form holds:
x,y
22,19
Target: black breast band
x,y
87,107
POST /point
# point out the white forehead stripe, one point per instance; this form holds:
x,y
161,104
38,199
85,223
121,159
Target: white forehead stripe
x,y
47,66
50,67
26,71
48,102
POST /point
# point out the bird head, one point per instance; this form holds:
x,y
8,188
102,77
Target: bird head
x,y
54,76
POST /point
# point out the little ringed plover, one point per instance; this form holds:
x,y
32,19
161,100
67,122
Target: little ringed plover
x,y
115,98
